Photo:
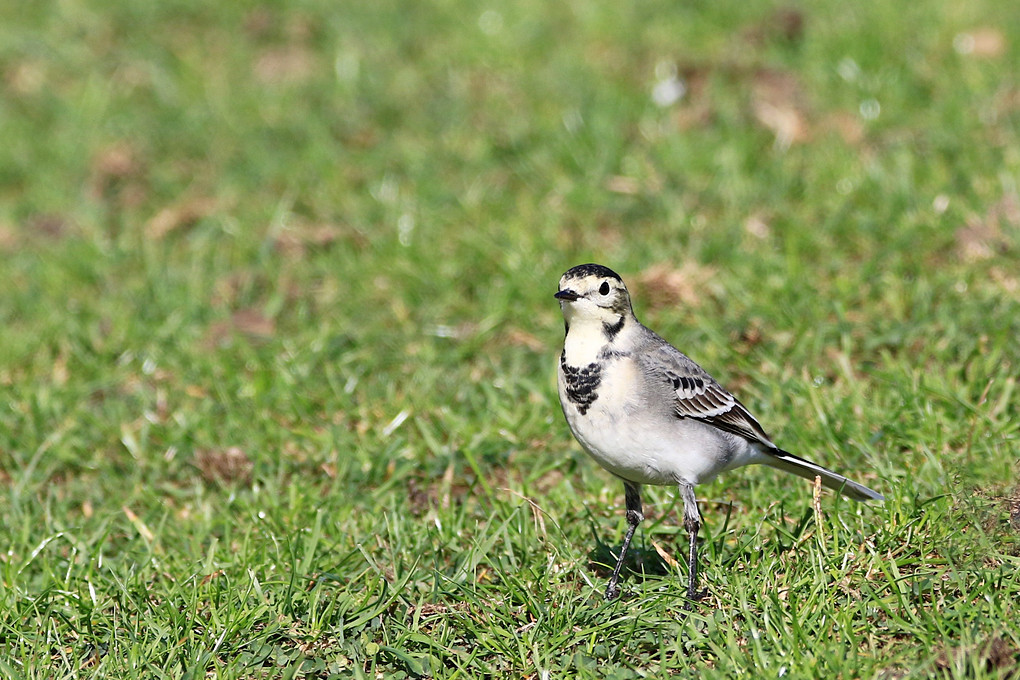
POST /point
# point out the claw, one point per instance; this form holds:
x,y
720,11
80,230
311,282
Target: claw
x,y
694,598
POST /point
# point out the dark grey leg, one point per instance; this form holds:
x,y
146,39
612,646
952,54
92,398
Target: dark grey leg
x,y
692,522
634,518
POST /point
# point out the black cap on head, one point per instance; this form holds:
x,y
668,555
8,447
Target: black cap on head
x,y
591,269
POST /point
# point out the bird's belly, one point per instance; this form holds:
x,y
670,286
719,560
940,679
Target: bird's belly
x,y
655,448
638,454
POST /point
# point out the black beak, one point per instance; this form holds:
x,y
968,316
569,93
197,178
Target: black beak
x,y
568,295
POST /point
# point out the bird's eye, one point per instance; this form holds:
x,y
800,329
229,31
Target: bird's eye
x,y
604,288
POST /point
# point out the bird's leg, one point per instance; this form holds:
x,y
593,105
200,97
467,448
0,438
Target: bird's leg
x,y
634,517
692,522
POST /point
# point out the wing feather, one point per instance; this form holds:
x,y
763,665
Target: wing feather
x,y
700,397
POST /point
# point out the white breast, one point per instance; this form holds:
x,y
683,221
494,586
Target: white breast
x,y
641,441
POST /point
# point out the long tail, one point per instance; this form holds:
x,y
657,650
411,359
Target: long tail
x,y
804,468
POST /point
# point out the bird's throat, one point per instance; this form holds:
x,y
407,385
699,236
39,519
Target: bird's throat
x,y
592,340
582,348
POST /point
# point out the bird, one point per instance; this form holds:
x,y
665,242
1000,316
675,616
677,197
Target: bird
x,y
649,414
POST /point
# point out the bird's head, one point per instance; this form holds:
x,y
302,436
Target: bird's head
x,y
591,293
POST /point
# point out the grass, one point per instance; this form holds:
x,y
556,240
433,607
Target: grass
x,y
278,335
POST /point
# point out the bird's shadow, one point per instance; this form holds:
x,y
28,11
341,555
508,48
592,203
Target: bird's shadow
x,y
719,549
639,562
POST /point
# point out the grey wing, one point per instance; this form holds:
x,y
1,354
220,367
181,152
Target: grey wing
x,y
700,397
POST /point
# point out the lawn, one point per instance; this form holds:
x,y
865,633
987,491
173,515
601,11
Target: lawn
x,y
278,353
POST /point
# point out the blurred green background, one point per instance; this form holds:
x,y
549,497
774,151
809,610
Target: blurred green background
x,y
278,338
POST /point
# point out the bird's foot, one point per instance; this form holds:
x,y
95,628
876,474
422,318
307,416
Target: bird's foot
x,y
612,591
693,597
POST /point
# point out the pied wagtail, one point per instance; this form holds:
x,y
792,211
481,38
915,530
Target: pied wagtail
x,y
650,415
